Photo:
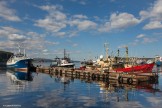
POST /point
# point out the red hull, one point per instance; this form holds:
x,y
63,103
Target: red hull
x,y
139,68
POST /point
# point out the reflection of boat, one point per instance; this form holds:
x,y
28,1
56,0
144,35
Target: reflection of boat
x,y
63,62
20,61
65,80
19,75
121,92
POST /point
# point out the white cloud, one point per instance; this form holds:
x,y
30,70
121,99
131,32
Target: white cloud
x,y
135,42
82,2
7,44
80,16
16,37
154,14
122,20
35,35
119,21
54,21
140,36
61,34
153,25
149,40
73,33
51,43
50,24
11,29
7,13
83,24
6,31
122,46
50,7
75,45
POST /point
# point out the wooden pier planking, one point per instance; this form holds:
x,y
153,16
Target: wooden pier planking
x,y
98,75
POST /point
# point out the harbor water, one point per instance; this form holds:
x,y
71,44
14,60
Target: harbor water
x,y
50,91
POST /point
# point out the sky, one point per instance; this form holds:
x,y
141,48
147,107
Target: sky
x,y
44,28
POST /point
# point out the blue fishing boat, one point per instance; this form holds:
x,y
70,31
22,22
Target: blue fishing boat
x,y
19,61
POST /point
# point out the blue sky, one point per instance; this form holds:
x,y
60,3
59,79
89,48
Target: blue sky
x,y
46,27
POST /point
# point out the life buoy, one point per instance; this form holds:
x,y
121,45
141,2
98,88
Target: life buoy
x,y
103,76
75,74
107,77
84,74
152,79
78,74
56,72
129,80
65,73
93,76
98,76
120,79
88,75
60,72
71,73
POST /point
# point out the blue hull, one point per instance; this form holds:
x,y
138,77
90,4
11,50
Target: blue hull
x,y
158,63
20,64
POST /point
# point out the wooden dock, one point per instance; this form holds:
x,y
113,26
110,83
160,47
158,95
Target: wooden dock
x,y
122,78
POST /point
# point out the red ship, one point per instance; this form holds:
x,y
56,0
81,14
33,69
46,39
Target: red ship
x,y
139,68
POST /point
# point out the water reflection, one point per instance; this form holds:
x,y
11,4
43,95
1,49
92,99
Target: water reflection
x,y
18,82
112,90
18,76
43,90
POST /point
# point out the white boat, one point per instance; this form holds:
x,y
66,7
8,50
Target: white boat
x,y
63,62
19,61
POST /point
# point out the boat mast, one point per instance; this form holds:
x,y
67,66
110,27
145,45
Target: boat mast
x,y
106,49
64,53
24,52
126,54
118,52
19,48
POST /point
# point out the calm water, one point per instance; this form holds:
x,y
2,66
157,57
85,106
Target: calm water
x,y
45,91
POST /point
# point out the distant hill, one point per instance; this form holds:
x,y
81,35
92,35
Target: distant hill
x,y
48,60
4,56
42,59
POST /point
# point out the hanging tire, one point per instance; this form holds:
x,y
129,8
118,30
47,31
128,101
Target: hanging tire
x,y
72,73
107,77
60,72
130,81
93,76
98,76
88,75
76,74
56,72
103,77
84,74
120,79
152,79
